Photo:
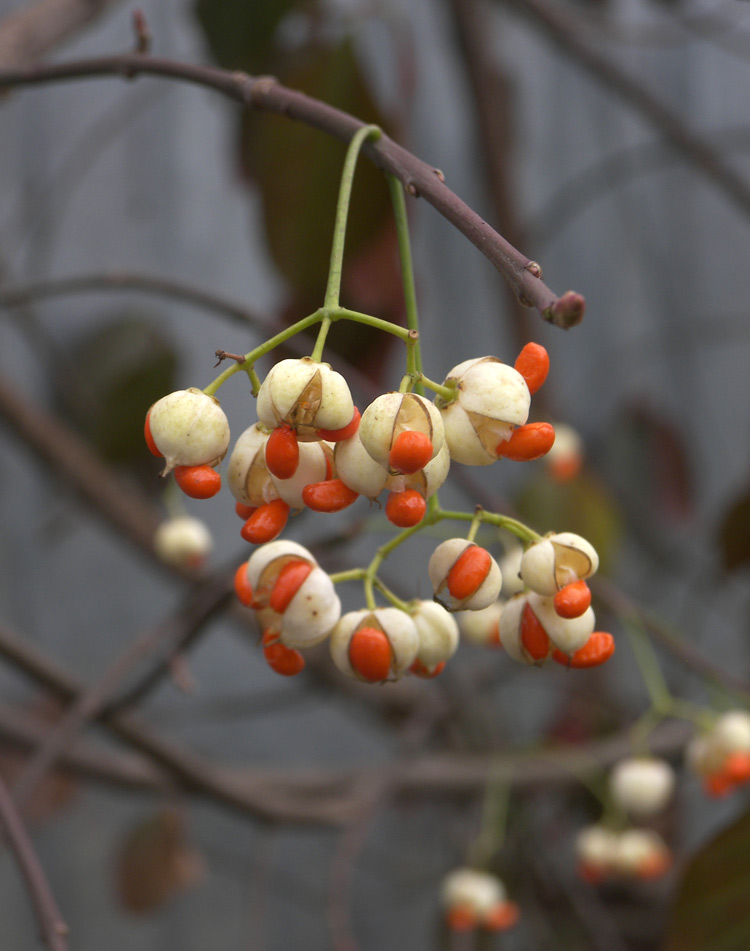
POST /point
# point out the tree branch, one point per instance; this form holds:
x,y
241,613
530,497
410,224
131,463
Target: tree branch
x,y
419,178
51,925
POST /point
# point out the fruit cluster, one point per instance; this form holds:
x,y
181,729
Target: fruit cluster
x,y
475,899
310,449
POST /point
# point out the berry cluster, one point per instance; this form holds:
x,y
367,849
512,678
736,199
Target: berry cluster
x,y
721,755
474,899
310,449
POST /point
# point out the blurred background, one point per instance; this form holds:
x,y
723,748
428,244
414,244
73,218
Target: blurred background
x,y
146,224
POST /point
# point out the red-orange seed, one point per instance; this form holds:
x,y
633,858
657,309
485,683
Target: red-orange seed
x,y
152,447
410,452
370,654
468,572
282,452
242,586
288,584
266,522
405,509
244,511
329,496
533,636
533,365
284,660
737,767
527,443
419,669
597,650
336,435
198,482
502,916
460,918
572,600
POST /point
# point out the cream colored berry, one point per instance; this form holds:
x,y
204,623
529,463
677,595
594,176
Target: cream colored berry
x,y
183,541
305,395
357,469
248,477
394,413
438,634
566,634
492,400
482,627
440,568
398,627
312,613
642,785
557,560
189,428
478,892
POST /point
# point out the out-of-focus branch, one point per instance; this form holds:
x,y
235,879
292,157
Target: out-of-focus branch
x,y
562,31
51,925
31,32
419,178
184,624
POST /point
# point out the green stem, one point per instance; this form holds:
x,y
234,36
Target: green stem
x,y
447,393
359,138
648,664
494,820
475,523
343,313
262,350
512,525
413,354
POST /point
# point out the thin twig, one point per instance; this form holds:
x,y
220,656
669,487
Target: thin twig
x,y
419,178
52,928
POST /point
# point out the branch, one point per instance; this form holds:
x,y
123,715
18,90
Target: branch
x,y
561,30
25,36
51,925
419,178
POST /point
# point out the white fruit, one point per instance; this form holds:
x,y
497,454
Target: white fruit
x,y
183,541
312,612
247,474
482,627
731,732
394,413
642,785
357,469
567,634
492,400
189,428
266,562
397,626
439,566
557,560
438,634
510,631
478,892
305,395
312,467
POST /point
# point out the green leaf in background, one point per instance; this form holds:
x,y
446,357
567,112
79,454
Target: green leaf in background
x,y
240,32
734,533
583,505
711,911
112,375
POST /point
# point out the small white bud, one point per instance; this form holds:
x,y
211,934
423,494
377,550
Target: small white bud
x,y
642,785
189,428
183,541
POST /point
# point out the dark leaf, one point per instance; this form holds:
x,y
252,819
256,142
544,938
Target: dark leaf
x,y
711,911
734,533
155,863
116,372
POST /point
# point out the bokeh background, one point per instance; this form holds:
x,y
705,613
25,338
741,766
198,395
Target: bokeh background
x,y
608,140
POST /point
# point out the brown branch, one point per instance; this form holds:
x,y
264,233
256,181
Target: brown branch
x,y
51,925
173,633
562,31
31,32
419,178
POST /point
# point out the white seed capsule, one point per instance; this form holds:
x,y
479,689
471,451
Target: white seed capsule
x,y
394,413
567,634
703,756
642,785
397,626
357,469
439,567
510,566
267,560
637,851
482,627
305,395
189,428
596,848
312,467
183,541
247,474
478,892
312,613
493,399
557,560
731,732
510,631
438,634
426,481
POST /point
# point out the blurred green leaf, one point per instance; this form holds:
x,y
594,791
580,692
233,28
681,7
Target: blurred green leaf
x,y
711,911
240,32
734,533
583,505
121,368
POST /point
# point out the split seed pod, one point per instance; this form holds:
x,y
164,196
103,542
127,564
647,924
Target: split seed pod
x,y
305,395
